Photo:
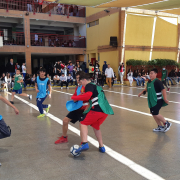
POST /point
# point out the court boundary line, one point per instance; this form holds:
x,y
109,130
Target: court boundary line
x,y
142,171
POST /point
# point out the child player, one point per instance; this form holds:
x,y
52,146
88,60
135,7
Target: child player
x,y
72,116
42,84
156,99
18,87
95,115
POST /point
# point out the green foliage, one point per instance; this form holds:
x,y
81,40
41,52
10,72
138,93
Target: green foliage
x,y
154,62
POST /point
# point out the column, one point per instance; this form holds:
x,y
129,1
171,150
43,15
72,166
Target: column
x,y
178,53
27,44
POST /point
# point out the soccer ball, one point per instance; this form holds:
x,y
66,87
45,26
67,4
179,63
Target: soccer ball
x,y
73,149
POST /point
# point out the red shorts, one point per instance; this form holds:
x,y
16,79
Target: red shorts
x,y
95,119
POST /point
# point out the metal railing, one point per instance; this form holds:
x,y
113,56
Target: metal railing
x,y
16,38
54,40
43,7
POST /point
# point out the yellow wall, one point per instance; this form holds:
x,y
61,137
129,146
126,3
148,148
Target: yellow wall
x,y
90,10
111,58
165,34
140,55
139,30
164,55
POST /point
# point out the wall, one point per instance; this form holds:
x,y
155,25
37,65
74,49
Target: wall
x,y
90,10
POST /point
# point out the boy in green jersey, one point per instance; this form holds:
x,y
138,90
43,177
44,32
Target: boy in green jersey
x,y
18,87
156,99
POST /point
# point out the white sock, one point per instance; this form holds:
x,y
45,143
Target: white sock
x,y
27,95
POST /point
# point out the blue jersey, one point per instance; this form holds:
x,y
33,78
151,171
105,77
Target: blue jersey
x,y
42,87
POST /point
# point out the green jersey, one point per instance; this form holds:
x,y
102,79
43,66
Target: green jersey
x,y
164,75
17,85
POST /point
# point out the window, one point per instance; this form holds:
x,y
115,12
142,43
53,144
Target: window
x,y
5,31
94,23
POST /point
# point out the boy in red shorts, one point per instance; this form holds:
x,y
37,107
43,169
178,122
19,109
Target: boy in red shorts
x,y
72,116
95,115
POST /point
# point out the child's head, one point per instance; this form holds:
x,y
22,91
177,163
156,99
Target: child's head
x,y
42,72
18,71
47,75
62,74
69,74
153,73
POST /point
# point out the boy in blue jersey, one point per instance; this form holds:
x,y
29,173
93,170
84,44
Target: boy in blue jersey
x,y
42,84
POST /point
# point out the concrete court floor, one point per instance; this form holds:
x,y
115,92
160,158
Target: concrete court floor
x,y
30,153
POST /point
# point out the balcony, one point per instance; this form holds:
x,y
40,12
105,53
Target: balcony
x,y
44,7
17,38
54,40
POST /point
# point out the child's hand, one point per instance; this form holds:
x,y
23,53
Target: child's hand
x,y
49,96
16,110
139,95
166,101
37,90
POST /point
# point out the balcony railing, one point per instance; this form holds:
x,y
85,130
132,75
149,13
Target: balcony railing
x,y
44,7
54,40
16,38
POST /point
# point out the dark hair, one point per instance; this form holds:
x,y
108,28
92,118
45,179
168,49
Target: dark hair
x,y
62,74
42,70
79,73
84,76
18,70
155,70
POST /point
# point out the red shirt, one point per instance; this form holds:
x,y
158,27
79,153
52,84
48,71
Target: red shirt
x,y
121,69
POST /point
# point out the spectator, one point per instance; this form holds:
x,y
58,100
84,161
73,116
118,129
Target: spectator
x,y
76,13
121,71
109,75
17,67
96,76
56,80
178,76
164,77
114,80
29,5
83,66
135,77
69,79
40,5
58,68
27,80
3,83
91,69
8,81
170,77
104,67
71,67
71,10
24,70
141,79
96,66
78,68
173,75
33,80
63,80
130,77
59,9
11,67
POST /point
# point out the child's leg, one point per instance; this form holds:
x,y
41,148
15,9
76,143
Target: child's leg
x,y
24,94
12,97
98,136
39,105
160,118
157,120
84,133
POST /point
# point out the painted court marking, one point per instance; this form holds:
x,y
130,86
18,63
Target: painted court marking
x,y
132,110
117,156
137,95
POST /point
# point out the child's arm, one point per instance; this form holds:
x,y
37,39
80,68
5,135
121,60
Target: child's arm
x,y
36,88
9,104
143,92
49,86
164,96
20,81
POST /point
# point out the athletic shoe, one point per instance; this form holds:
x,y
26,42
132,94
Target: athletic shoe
x,y
47,109
159,129
61,87
83,147
30,97
11,102
102,149
167,126
61,140
41,115
168,89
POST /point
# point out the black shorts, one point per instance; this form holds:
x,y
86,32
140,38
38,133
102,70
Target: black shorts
x,y
75,115
155,110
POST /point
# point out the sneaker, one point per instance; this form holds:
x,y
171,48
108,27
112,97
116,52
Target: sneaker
x,y
159,129
11,102
41,115
61,140
168,89
47,109
30,97
83,147
167,126
102,149
61,87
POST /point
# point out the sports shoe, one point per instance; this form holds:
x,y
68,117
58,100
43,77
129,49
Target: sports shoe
x,y
167,126
61,87
11,102
61,140
41,115
82,147
102,149
47,109
30,97
168,89
159,129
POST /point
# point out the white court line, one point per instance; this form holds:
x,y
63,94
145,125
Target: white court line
x,y
117,156
137,96
132,110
